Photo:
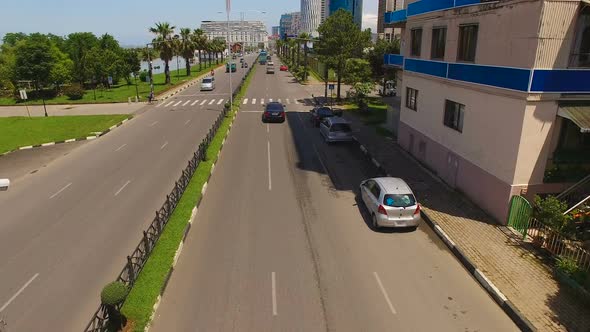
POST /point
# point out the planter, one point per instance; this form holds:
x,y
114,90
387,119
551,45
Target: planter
x,y
573,287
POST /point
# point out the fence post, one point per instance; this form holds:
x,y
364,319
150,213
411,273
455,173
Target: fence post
x,y
146,242
130,271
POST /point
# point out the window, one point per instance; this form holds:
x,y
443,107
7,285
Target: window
x,y
439,37
454,113
412,99
416,40
376,191
467,42
399,200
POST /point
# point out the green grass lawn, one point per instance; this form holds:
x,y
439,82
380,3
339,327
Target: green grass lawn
x,y
376,115
22,131
122,92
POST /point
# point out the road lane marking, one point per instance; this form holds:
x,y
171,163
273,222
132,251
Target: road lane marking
x,y
274,294
122,146
187,121
18,292
160,104
269,174
194,102
270,100
267,128
262,101
279,100
125,185
212,101
62,189
170,103
188,101
153,123
180,101
384,292
245,101
164,145
296,101
220,101
203,102
288,102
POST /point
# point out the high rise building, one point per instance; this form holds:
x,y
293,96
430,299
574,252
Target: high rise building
x,y
355,7
290,24
275,31
247,33
313,13
386,31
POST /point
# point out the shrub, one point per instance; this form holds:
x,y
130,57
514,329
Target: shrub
x,y
74,92
143,76
550,212
114,293
569,266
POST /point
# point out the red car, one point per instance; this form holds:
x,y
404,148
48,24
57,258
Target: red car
x,y
283,68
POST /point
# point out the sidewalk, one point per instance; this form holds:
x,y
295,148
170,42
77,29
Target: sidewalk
x,y
519,275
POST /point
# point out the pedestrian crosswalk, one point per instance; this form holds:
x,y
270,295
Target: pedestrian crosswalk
x,y
215,101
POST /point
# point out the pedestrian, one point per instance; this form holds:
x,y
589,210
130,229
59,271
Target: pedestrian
x,y
212,72
151,97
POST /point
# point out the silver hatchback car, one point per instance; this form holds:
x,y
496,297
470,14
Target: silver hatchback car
x,y
336,129
390,202
208,84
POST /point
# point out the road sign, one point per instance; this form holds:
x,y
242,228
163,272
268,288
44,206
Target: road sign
x,y
23,94
110,80
331,86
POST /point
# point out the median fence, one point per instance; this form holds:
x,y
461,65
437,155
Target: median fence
x,y
137,259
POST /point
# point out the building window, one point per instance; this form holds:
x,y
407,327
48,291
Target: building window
x,y
467,42
439,37
416,40
412,98
454,113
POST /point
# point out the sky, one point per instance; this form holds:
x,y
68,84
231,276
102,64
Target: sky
x,y
129,20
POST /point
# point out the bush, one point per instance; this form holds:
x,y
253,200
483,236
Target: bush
x,y
550,211
143,76
569,267
114,293
74,91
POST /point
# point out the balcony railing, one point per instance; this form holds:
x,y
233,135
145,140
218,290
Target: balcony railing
x,y
394,60
397,16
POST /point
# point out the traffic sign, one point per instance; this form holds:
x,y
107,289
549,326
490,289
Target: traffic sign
x,y
331,86
110,80
23,94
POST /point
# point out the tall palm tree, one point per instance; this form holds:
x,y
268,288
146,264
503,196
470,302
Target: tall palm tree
x,y
164,44
200,40
218,46
187,48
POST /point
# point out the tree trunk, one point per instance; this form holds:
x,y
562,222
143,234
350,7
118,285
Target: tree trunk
x,y
200,64
188,67
167,71
298,47
216,58
338,72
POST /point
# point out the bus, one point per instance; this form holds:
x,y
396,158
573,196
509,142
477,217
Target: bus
x,y
262,58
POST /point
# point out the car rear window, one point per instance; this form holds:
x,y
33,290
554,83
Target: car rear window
x,y
274,107
399,200
325,111
345,127
207,80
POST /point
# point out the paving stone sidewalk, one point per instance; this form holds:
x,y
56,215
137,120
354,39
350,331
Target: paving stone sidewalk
x,y
522,277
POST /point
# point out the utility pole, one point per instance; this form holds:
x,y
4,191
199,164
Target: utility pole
x,y
231,96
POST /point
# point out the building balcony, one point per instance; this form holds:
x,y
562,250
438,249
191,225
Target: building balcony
x,y
393,60
426,6
396,18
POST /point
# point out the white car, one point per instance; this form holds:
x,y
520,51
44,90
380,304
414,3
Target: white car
x,y
390,202
208,84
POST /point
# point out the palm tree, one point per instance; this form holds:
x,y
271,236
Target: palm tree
x,y
165,44
187,48
218,46
200,39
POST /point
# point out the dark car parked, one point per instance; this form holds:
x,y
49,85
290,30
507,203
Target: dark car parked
x,y
320,113
274,112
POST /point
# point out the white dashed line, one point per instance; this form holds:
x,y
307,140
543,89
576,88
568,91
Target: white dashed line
x,y
62,189
180,101
274,293
220,102
187,121
194,102
203,102
188,101
269,173
153,123
384,292
18,292
212,101
170,103
121,189
122,146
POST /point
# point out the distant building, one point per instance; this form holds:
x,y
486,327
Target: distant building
x,y
290,24
355,7
386,31
313,13
247,33
495,96
275,31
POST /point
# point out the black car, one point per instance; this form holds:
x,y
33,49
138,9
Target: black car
x,y
274,112
320,113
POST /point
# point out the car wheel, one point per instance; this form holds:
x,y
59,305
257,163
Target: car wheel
x,y
374,222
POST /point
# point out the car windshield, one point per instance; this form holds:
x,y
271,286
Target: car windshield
x,y
207,80
344,127
399,200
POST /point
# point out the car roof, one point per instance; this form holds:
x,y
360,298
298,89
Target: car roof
x,y
337,119
393,185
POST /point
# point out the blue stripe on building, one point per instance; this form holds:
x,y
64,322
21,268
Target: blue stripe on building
x,y
503,77
425,6
426,67
556,80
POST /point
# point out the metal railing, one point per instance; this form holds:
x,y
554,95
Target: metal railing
x,y
576,193
136,261
557,244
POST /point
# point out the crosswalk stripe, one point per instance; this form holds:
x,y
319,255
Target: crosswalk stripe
x,y
177,103
194,102
160,104
296,101
279,100
288,102
220,101
188,101
253,101
270,100
170,103
203,102
245,101
212,101
262,100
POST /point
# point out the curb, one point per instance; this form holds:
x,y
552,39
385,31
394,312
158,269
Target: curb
x,y
87,138
508,307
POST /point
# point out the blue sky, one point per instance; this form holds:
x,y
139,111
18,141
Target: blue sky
x,y
128,20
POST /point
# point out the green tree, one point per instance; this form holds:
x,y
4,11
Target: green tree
x,y
12,38
132,63
164,44
187,48
376,54
78,46
550,211
358,75
200,40
341,39
61,72
34,59
7,67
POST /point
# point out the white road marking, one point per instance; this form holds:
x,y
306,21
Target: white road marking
x,y
62,189
270,100
18,292
188,101
187,121
164,145
279,100
288,102
384,293
253,101
122,146
180,101
160,104
296,101
262,101
267,128
220,101
194,102
153,123
269,173
170,103
245,101
203,102
212,101
125,185
274,294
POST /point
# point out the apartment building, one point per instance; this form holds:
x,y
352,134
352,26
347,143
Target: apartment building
x,y
248,33
386,31
495,96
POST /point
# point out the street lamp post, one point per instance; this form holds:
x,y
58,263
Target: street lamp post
x,y
231,94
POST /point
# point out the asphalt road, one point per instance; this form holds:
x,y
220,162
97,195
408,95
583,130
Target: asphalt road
x,y
280,243
65,230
